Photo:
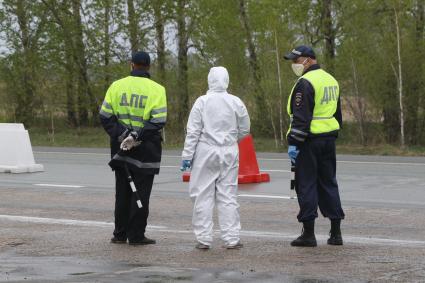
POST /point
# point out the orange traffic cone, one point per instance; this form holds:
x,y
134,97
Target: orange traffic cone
x,y
248,165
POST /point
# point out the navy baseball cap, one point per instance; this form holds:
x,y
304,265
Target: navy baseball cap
x,y
141,58
300,51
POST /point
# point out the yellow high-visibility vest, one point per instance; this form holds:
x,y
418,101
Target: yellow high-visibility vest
x,y
135,100
326,95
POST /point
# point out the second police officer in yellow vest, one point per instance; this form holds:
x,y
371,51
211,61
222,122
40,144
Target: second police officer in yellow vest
x,y
315,118
133,113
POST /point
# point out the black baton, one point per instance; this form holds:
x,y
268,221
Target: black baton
x,y
132,185
293,179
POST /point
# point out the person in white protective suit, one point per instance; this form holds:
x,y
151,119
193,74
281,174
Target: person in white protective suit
x,y
216,122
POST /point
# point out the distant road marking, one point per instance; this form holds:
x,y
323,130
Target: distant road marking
x,y
69,222
59,185
338,161
382,163
243,233
358,162
275,170
264,159
265,170
266,196
73,153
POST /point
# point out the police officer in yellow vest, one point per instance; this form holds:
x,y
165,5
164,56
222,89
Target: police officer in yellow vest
x,y
315,116
133,113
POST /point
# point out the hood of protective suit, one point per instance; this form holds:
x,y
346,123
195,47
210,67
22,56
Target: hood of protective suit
x,y
218,79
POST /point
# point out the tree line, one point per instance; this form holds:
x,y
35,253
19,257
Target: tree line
x,y
58,58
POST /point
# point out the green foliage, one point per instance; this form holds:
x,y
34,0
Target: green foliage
x,y
59,57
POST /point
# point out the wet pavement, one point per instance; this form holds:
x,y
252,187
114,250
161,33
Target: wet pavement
x,y
55,226
69,269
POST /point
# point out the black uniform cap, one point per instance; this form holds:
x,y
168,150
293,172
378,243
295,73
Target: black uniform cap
x,y
141,58
300,51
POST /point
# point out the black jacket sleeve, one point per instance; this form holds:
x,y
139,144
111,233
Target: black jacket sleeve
x,y
114,129
302,106
338,113
149,129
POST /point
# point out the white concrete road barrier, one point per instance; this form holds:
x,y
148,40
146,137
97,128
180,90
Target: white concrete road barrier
x,y
16,154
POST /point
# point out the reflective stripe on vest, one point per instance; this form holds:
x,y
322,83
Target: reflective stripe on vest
x,y
326,94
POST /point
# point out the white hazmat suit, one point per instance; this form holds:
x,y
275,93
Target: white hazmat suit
x,y
216,122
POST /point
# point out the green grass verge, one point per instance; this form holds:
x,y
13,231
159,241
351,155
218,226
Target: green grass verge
x,y
96,137
83,137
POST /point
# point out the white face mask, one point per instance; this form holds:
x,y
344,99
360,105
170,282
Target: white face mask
x,y
298,69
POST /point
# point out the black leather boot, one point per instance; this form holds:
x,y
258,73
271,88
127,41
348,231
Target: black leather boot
x,y
117,240
307,238
335,233
141,242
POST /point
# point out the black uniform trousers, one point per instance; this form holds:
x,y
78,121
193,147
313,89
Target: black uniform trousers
x,y
130,220
316,179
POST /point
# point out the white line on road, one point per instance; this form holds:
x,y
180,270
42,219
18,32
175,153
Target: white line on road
x,y
347,239
59,185
266,196
246,233
263,159
69,222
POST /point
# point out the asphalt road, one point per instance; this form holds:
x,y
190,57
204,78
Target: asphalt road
x,y
55,225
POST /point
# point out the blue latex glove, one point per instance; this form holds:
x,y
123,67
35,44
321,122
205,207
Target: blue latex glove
x,y
186,164
293,153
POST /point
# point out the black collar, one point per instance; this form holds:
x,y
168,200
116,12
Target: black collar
x,y
140,73
312,68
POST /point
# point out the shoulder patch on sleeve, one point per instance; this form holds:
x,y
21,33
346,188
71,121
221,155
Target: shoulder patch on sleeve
x,y
298,99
